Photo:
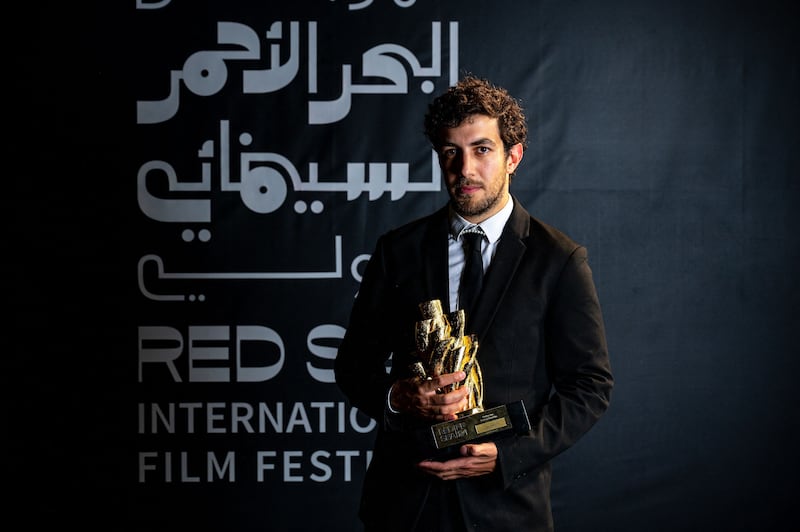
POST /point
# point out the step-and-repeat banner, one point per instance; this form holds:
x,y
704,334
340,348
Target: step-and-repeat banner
x,y
268,144
274,142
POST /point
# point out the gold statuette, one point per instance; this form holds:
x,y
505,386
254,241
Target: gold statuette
x,y
442,347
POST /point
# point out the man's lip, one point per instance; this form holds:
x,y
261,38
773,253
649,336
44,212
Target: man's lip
x,y
468,189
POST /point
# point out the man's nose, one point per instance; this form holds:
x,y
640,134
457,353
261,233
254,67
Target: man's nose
x,y
466,164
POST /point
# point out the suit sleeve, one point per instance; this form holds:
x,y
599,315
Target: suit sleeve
x,y
360,365
579,370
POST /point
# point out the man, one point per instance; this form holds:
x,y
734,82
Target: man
x,y
538,321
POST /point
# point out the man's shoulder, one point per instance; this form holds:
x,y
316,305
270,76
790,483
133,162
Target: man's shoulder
x,y
542,234
417,227
546,231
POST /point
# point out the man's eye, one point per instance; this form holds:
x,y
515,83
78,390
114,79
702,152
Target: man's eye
x,y
449,152
483,149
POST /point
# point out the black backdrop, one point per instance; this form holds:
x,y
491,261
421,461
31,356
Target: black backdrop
x,y
162,328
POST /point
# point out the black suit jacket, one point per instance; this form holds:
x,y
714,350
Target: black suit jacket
x,y
542,340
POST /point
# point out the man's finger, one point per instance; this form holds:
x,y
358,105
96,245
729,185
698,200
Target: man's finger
x,y
447,379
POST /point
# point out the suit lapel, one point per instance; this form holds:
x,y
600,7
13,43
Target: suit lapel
x,y
508,255
434,259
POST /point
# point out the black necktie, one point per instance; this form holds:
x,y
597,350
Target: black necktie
x,y
472,277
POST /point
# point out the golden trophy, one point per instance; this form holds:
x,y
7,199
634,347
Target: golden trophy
x,y
443,347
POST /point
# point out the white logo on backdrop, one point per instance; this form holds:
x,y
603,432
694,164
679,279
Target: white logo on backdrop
x,y
265,178
205,73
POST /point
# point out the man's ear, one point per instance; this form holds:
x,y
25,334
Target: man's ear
x,y
514,158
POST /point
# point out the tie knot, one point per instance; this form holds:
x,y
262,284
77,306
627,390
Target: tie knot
x,y
472,241
473,234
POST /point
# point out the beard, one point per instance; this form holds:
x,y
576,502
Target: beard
x,y
468,206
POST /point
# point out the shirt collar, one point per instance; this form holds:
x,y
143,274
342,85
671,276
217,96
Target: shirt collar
x,y
492,226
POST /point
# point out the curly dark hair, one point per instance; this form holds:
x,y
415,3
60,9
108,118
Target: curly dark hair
x,y
471,96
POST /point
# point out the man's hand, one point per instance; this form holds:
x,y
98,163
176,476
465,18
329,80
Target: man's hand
x,y
476,459
424,398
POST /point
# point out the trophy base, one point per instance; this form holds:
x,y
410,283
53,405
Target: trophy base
x,y
443,440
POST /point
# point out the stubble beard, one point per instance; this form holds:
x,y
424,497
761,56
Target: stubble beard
x,y
464,206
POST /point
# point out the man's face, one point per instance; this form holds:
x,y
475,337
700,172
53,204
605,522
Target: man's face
x,y
476,168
